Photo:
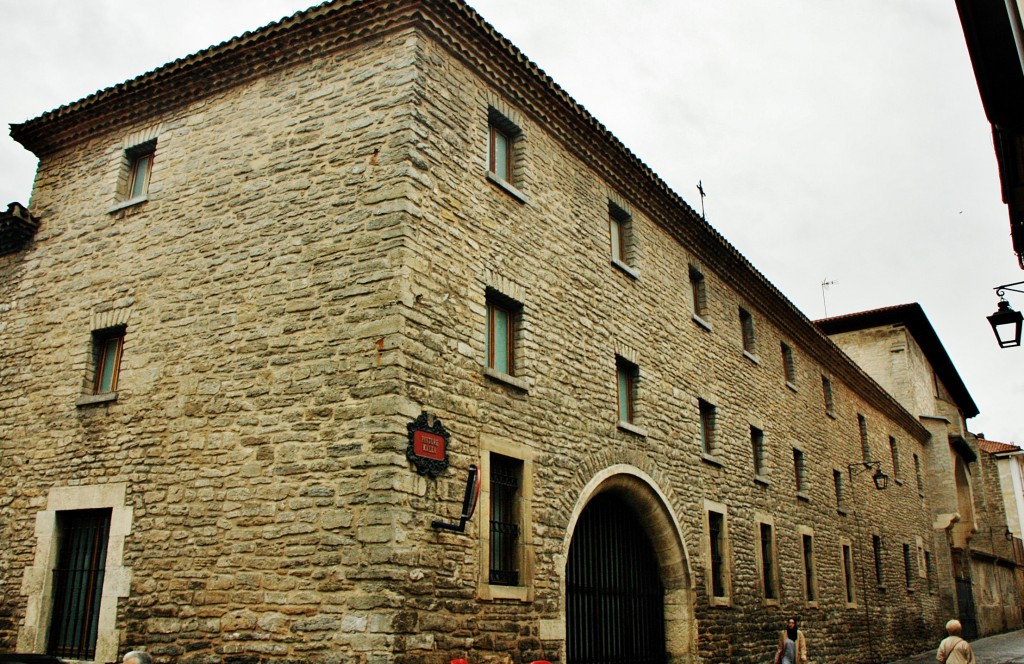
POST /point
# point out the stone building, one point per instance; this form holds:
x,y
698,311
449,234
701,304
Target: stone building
x,y
1009,462
286,294
980,576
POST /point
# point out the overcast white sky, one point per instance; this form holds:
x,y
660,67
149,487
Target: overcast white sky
x,y
836,140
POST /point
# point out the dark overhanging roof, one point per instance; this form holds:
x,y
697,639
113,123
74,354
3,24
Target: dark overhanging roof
x,y
912,317
990,31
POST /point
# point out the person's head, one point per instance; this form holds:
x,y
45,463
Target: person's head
x,y
791,623
953,627
137,657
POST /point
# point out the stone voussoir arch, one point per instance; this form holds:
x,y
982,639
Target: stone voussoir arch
x,y
645,494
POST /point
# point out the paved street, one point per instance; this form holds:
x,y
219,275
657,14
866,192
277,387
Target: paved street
x,y
1000,649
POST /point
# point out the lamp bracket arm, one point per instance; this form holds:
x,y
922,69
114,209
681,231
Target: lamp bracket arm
x,y
1001,290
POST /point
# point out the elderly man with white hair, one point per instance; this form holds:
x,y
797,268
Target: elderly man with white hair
x,y
953,649
138,657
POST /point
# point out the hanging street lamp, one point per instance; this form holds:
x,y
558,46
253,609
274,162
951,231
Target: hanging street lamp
x,y
1006,322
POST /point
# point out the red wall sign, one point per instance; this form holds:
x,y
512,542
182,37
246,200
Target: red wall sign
x,y
429,445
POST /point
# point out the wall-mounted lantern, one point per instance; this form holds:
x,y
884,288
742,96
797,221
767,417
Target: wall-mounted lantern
x,y
1006,322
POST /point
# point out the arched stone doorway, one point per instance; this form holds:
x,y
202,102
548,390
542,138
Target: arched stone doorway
x,y
628,595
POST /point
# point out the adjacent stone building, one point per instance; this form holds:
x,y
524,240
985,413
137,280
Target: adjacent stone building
x,y
980,577
287,294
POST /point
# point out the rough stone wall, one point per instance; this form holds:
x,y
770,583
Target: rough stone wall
x,y
260,398
996,575
579,311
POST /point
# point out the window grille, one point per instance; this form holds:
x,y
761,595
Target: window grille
x,y
78,582
506,475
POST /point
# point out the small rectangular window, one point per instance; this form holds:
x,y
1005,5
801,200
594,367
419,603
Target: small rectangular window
x,y
865,448
78,582
758,451
769,574
501,154
107,348
810,583
747,329
895,451
698,294
620,230
800,471
876,547
908,566
707,427
501,334
920,477
837,480
141,169
716,535
848,583
506,480
788,367
626,374
826,389
929,571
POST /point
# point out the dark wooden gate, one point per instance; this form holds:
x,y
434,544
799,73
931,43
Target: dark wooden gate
x,y
965,605
615,601
966,614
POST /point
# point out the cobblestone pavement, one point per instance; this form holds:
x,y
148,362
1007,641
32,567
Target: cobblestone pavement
x,y
999,649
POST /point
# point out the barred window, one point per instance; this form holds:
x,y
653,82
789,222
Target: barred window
x,y
506,479
715,537
78,582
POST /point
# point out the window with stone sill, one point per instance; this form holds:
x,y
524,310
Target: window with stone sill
x,y
506,480
840,489
698,296
826,389
894,450
758,451
876,548
908,568
810,570
865,447
505,554
919,475
620,232
800,472
503,158
627,376
136,174
504,319
707,414
107,347
847,572
788,365
717,552
747,330
767,560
